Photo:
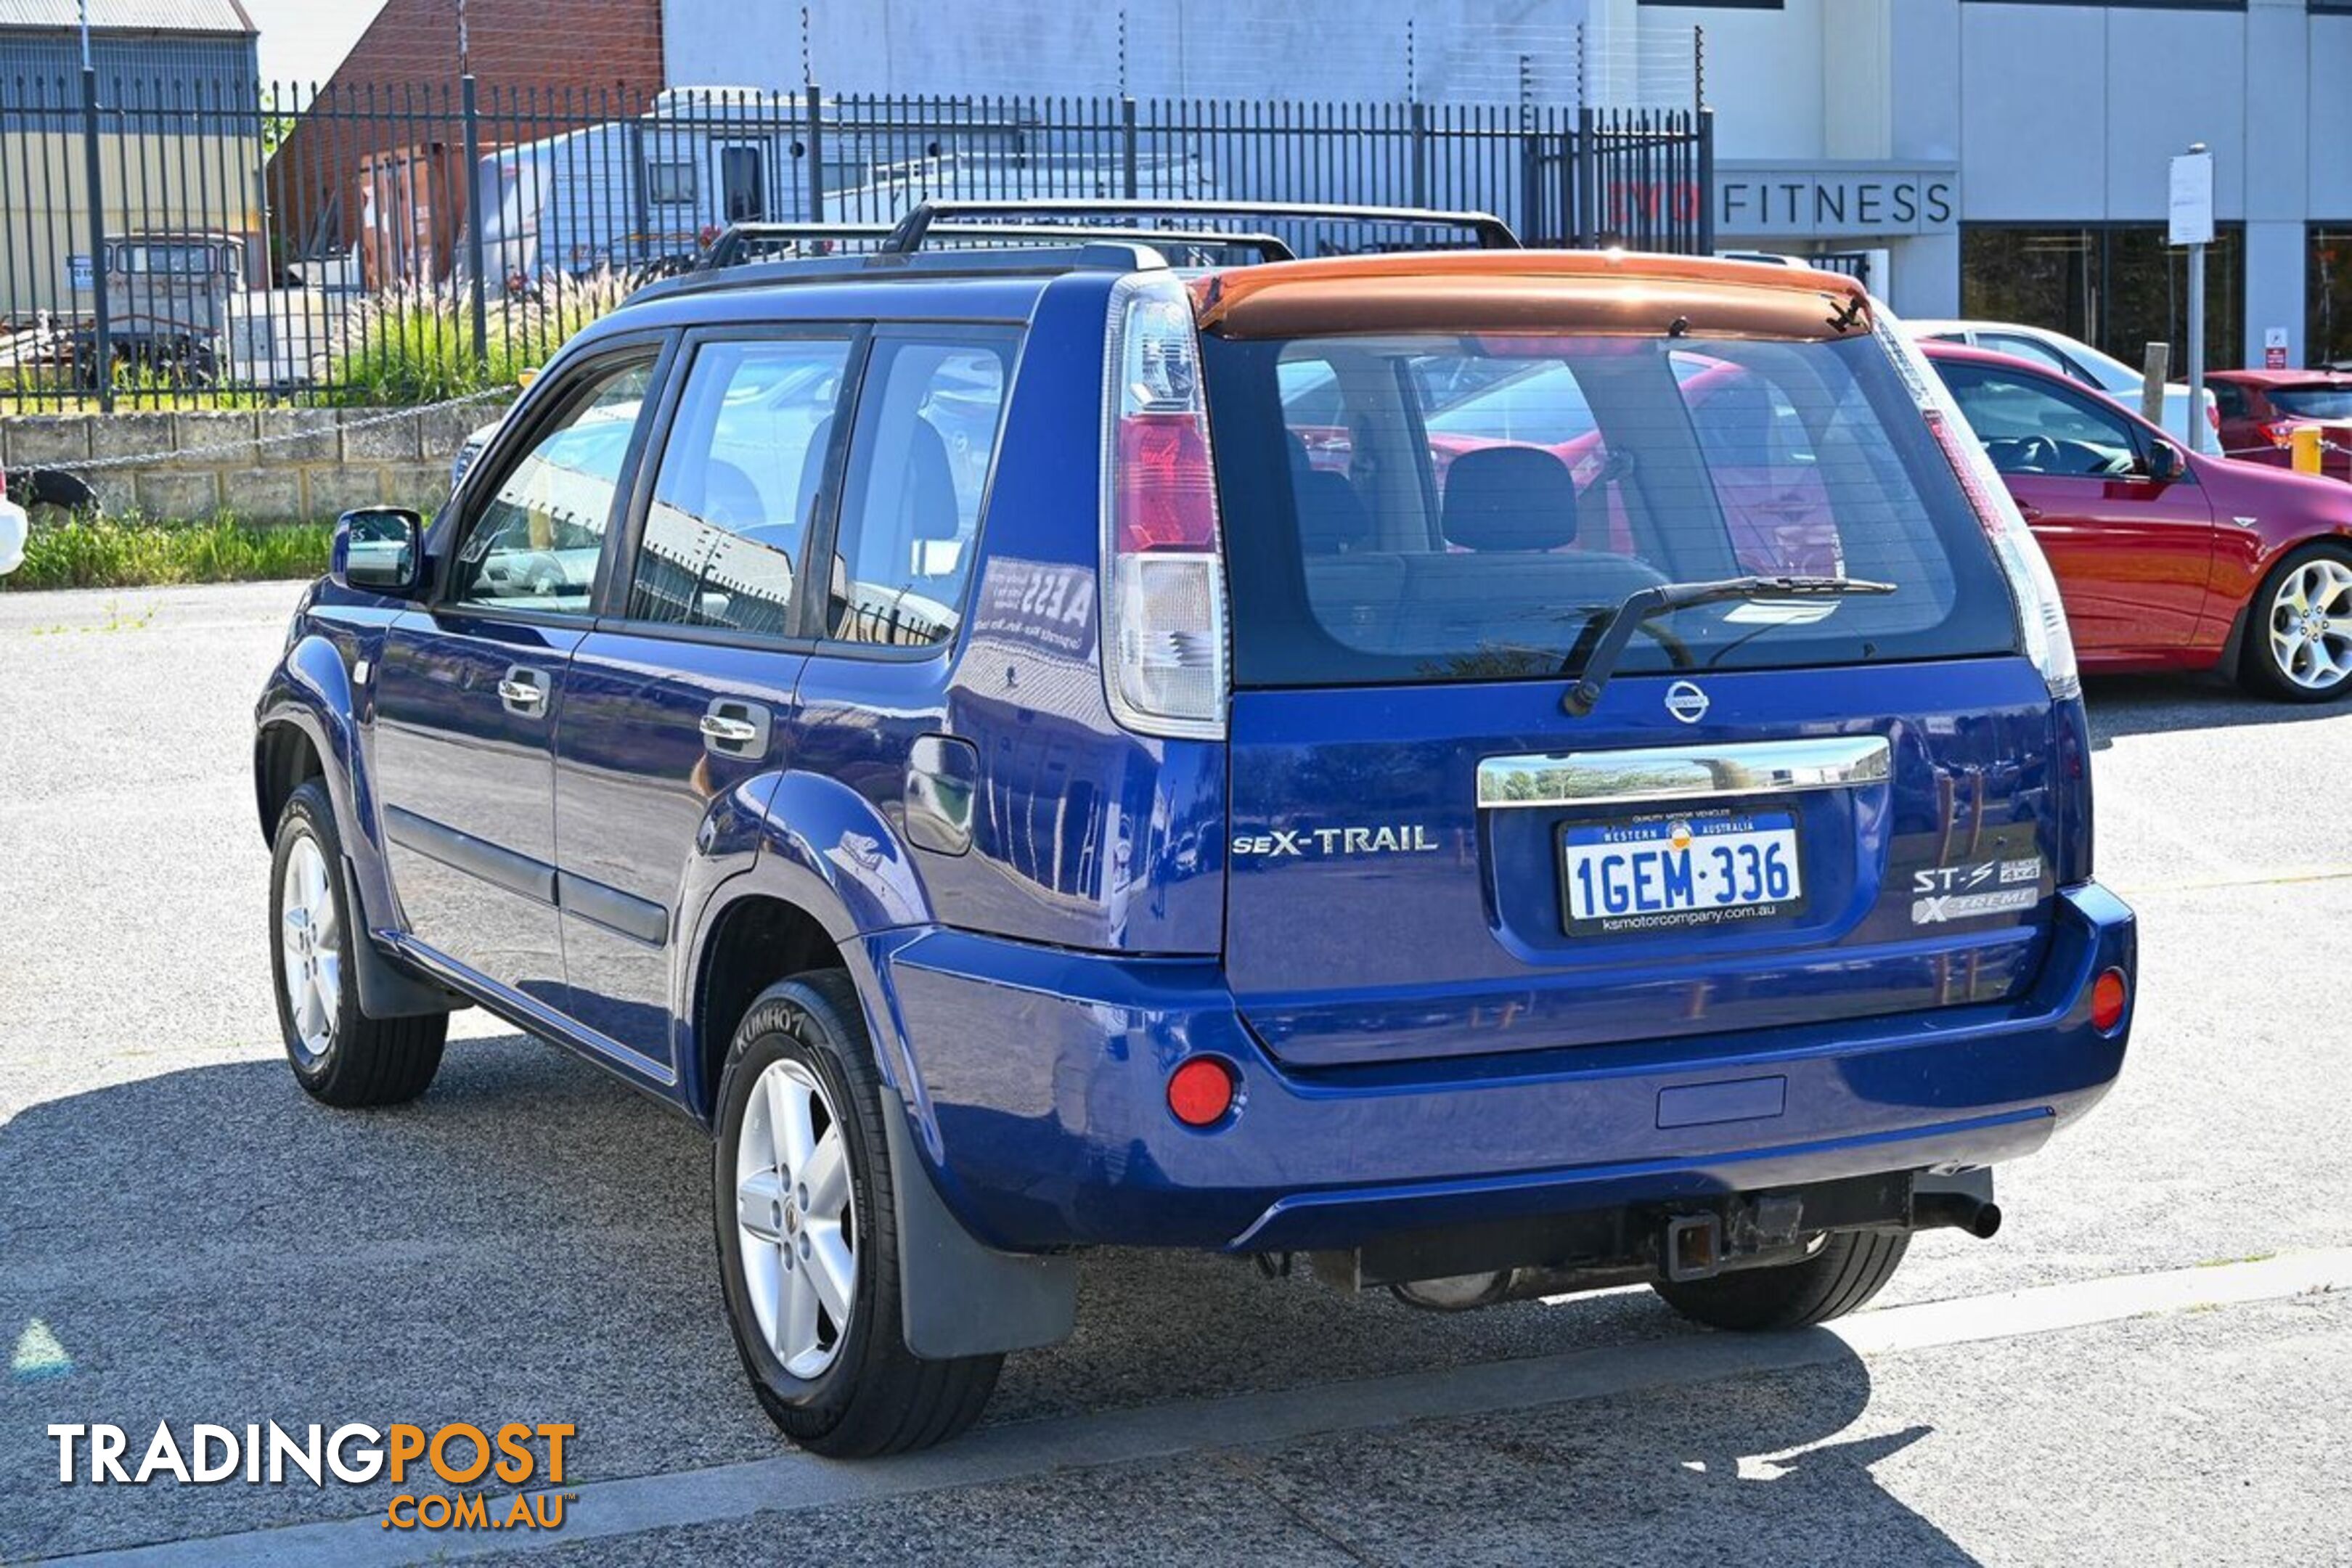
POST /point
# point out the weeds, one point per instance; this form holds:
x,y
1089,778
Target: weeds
x,y
136,552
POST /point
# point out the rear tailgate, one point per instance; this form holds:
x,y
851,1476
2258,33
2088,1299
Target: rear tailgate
x,y
1378,912
1438,478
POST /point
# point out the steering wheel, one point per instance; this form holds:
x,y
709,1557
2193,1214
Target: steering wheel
x,y
2039,452
1678,653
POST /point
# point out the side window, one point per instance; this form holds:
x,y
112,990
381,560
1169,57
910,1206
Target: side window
x,y
2032,349
736,485
2229,398
534,543
919,464
2027,427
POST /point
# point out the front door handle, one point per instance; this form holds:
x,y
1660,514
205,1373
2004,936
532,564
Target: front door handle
x,y
524,690
734,732
2029,511
734,728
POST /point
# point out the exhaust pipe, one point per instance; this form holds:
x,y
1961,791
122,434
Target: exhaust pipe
x,y
1980,1217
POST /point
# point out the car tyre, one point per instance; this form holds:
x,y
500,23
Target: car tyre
x,y
1847,1270
339,1055
2297,643
809,1257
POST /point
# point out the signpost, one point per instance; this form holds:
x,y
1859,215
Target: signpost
x,y
2192,225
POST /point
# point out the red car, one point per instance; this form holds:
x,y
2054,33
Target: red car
x,y
2261,409
2167,558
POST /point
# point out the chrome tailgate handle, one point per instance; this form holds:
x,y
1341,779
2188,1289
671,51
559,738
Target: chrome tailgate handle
x,y
1684,773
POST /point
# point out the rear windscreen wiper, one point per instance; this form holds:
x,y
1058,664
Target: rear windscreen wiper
x,y
1646,603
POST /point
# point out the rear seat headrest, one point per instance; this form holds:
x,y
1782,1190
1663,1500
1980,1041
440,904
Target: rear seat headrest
x,y
1509,498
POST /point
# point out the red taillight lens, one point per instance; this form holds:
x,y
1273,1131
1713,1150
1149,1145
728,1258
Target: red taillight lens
x,y
1201,1091
1167,496
2110,994
2280,432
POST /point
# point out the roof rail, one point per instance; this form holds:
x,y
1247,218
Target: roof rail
x,y
1125,254
742,242
1491,232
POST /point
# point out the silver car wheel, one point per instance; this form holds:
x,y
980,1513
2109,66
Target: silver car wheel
x,y
310,951
794,1221
2311,625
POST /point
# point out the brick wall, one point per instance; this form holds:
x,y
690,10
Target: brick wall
x,y
283,465
545,64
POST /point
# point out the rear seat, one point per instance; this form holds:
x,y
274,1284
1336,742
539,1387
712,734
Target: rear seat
x,y
1511,512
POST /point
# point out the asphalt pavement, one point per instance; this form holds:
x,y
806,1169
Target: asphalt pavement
x,y
182,1235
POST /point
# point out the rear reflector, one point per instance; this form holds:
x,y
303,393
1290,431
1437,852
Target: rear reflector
x,y
1201,1091
2110,996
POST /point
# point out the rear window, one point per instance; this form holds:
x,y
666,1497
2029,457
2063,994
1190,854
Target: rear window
x,y
1431,508
2313,402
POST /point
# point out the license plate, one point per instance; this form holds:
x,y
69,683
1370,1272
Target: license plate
x,y
1660,873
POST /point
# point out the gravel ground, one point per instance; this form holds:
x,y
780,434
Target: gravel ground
x,y
530,1240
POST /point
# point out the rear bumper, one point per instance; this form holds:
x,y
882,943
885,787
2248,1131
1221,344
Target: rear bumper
x,y
1036,1078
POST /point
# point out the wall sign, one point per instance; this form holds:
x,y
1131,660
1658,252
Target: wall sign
x,y
1839,199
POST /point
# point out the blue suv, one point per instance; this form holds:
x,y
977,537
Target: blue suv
x,y
1483,771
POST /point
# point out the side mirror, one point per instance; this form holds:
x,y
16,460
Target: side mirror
x,y
379,550
2165,462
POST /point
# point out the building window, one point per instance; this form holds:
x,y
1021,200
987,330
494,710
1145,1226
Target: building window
x,y
2117,287
2327,282
670,181
2144,5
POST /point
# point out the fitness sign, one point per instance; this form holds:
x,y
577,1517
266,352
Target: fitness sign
x,y
434,1465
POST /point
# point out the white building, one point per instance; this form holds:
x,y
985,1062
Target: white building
x,y
1996,157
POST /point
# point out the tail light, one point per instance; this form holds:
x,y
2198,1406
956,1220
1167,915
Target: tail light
x,y
2280,432
2040,613
2212,413
1164,666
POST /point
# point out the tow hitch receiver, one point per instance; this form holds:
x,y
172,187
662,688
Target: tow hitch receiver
x,y
1693,1246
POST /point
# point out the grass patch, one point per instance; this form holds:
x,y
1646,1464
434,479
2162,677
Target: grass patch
x,y
417,345
139,553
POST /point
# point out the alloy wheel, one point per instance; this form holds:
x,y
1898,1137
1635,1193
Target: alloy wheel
x,y
794,1220
310,950
2311,625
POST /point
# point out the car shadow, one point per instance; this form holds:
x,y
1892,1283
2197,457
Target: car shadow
x,y
531,1241
2121,705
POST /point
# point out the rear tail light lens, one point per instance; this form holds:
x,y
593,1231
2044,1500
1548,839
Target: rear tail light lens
x,y
2280,432
2110,995
2040,613
1165,663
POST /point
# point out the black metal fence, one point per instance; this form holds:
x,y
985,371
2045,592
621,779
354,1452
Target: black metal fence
x,y
168,242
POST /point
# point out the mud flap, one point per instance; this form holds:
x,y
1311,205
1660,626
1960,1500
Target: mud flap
x,y
386,991
958,1298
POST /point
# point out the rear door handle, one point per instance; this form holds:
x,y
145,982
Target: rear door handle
x,y
2029,511
733,728
524,690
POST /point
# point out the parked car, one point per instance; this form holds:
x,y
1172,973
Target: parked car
x,y
2167,558
2260,410
13,530
1152,831
2076,361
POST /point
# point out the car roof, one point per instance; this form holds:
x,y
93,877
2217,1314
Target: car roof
x,y
2283,377
934,296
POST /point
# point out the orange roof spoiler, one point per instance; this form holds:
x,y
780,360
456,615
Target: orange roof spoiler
x,y
1600,291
